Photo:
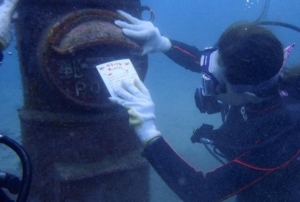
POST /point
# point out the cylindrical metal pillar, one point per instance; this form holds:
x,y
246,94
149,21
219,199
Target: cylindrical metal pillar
x,y
81,146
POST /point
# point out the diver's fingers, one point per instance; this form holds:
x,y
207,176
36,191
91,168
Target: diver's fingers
x,y
126,25
132,90
139,35
128,17
124,94
142,88
117,100
123,24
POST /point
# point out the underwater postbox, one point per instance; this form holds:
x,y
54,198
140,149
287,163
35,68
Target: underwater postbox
x,y
74,44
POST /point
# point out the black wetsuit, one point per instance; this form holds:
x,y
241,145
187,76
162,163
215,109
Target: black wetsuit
x,y
261,143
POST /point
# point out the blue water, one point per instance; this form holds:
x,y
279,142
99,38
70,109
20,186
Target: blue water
x,y
194,22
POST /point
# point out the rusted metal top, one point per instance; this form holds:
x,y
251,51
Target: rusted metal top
x,y
85,28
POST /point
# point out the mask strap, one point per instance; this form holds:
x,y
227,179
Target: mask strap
x,y
205,58
256,88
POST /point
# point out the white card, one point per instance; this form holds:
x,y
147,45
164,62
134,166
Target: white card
x,y
114,72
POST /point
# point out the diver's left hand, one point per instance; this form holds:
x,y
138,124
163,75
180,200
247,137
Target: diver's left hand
x,y
145,32
136,98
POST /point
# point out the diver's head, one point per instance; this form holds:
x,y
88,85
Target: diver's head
x,y
251,55
244,68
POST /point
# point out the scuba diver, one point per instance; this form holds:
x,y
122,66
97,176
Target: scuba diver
x,y
9,181
244,78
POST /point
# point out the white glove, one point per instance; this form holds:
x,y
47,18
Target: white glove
x,y
145,32
136,98
6,9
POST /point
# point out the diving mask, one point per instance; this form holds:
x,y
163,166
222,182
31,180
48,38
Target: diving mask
x,y
212,83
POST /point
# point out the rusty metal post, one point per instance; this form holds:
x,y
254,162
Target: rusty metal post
x,y
80,144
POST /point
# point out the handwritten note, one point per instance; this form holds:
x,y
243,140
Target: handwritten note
x,y
114,72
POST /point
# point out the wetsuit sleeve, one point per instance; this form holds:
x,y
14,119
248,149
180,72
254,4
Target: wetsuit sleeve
x,y
185,55
191,185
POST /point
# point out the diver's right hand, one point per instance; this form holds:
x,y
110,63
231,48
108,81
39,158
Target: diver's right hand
x,y
145,32
136,98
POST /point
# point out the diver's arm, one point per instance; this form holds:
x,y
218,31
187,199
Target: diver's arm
x,y
187,183
178,175
185,55
191,185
